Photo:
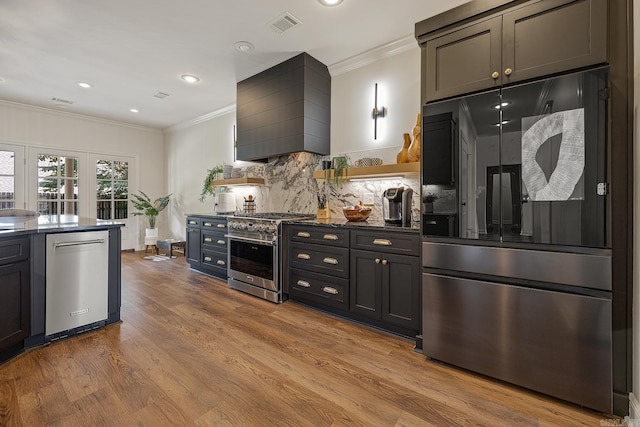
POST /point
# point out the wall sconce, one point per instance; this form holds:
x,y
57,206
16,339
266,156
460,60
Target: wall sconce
x,y
377,112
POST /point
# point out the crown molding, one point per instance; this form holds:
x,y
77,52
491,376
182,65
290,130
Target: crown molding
x,y
78,116
212,115
370,56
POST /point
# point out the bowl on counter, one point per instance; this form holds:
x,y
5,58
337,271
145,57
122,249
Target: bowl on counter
x,y
353,214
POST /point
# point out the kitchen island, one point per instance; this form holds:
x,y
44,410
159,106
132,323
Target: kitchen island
x,y
23,277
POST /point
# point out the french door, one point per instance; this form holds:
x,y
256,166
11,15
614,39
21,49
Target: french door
x,y
12,188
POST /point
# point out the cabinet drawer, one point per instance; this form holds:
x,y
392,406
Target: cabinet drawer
x,y
321,288
12,250
193,222
213,240
438,225
320,235
212,258
398,243
216,224
321,259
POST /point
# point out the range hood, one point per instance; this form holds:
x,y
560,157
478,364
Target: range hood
x,y
284,109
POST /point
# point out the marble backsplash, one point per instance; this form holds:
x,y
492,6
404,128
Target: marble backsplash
x,y
290,186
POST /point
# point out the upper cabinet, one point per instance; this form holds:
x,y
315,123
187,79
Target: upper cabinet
x,y
536,39
284,109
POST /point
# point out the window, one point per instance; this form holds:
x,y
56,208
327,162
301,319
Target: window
x,y
57,185
112,189
7,179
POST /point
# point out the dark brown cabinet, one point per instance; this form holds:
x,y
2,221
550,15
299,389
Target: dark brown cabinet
x,y
206,247
386,287
284,109
527,41
14,293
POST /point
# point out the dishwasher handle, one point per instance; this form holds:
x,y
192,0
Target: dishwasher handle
x,y
77,243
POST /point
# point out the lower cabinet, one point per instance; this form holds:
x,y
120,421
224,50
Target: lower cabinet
x,y
386,287
15,295
206,246
371,276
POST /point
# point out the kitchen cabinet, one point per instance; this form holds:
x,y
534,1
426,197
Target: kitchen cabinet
x,y
206,246
318,265
384,285
284,109
14,294
438,133
371,276
527,41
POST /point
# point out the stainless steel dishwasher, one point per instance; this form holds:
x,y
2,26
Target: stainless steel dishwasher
x,y
77,281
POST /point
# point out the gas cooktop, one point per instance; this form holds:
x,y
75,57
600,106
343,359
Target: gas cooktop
x,y
274,215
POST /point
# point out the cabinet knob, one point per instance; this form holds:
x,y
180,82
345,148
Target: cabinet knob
x,y
495,75
508,72
385,262
377,260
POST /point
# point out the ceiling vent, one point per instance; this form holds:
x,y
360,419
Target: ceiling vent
x,y
284,23
161,95
64,101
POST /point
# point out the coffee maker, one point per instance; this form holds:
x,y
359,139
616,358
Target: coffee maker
x,y
396,205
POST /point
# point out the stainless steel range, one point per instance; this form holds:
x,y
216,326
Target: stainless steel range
x,y
254,256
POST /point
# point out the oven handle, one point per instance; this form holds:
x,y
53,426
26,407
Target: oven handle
x,y
250,240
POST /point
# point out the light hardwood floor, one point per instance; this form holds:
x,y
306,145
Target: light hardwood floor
x,y
190,351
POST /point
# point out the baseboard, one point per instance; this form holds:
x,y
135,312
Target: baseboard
x,y
634,410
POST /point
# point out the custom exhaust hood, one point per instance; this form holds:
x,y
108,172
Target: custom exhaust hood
x,y
284,109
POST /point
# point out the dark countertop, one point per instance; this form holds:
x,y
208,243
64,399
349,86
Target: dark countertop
x,y
370,224
14,225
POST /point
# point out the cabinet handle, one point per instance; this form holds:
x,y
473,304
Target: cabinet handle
x,y
330,290
431,222
377,260
330,261
222,242
508,72
385,262
304,283
221,225
208,239
208,259
330,237
221,262
382,242
304,256
495,75
303,234
193,222
207,224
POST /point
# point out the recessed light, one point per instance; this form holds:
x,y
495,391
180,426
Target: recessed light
x,y
85,85
190,78
243,46
330,2
502,104
134,110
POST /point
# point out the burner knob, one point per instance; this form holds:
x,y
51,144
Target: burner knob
x,y
271,228
261,227
243,226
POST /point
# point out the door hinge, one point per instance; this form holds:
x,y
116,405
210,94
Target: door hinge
x,y
603,188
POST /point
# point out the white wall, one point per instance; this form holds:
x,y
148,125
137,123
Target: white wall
x,y
38,127
191,151
352,101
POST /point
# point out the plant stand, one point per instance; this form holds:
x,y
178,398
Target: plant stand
x,y
150,239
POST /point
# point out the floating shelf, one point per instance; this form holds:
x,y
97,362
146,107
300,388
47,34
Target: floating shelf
x,y
399,169
237,181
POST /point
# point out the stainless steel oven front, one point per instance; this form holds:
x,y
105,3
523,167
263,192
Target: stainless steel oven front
x,y
253,267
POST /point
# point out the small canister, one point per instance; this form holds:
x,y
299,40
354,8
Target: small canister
x,y
249,205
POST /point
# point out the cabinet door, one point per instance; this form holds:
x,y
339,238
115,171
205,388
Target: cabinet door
x,y
364,286
551,36
193,246
14,303
401,290
439,138
464,61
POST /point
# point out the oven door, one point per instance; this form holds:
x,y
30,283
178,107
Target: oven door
x,y
253,262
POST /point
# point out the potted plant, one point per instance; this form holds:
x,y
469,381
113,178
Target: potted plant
x,y
207,189
427,202
151,209
339,165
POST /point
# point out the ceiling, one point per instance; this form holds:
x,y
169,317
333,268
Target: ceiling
x,y
132,50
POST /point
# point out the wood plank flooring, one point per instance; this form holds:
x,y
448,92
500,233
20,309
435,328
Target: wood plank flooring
x,y
190,351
